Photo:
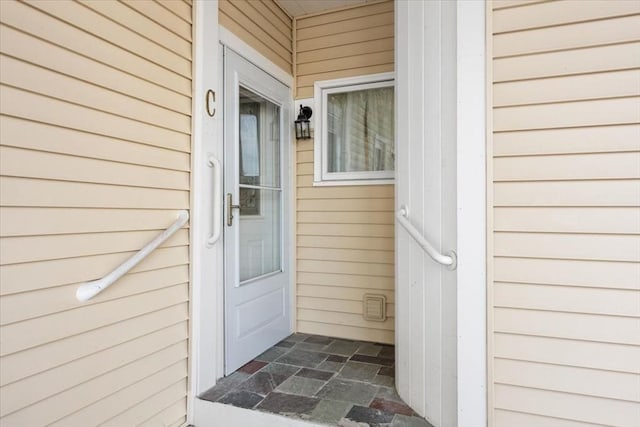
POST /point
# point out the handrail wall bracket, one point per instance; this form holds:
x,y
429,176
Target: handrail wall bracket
x,y
88,290
449,260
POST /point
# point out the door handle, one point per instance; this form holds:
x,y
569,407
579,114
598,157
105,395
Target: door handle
x,y
230,208
217,190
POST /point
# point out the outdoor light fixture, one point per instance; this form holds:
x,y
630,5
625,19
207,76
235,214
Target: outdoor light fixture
x,y
303,125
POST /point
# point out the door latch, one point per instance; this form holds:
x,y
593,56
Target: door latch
x,y
230,208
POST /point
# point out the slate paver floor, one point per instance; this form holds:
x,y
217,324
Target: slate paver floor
x,y
326,380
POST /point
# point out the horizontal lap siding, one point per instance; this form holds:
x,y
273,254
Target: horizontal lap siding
x,y
345,235
345,249
565,235
263,25
345,43
95,130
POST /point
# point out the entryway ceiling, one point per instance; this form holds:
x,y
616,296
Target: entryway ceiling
x,y
305,7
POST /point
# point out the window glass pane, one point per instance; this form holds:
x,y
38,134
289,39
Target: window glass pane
x,y
259,140
360,130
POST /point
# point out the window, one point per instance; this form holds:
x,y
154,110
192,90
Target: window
x,y
354,131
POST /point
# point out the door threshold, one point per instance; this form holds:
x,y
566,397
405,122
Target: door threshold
x,y
214,414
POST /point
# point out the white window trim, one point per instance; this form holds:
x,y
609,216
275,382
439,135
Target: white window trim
x,y
321,177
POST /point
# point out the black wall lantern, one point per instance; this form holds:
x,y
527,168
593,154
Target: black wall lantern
x,y
303,125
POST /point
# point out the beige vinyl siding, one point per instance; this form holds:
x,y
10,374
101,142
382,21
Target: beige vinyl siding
x,y
345,249
263,25
346,43
564,230
95,137
345,234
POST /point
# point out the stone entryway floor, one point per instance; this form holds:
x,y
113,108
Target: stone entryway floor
x,y
326,380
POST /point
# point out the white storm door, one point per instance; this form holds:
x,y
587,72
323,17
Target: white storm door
x,y
256,138
426,184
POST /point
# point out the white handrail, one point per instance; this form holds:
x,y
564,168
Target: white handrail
x,y
88,290
449,260
217,191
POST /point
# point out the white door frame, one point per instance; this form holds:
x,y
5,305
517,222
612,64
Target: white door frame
x,y
206,260
206,361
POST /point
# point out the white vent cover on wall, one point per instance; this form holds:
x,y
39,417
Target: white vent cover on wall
x,y
375,307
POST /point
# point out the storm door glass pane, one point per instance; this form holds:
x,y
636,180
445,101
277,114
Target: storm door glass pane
x,y
259,140
260,188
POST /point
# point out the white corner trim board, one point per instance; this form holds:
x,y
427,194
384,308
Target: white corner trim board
x,y
471,214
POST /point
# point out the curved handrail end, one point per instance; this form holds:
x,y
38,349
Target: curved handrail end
x,y
183,216
89,290
454,260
